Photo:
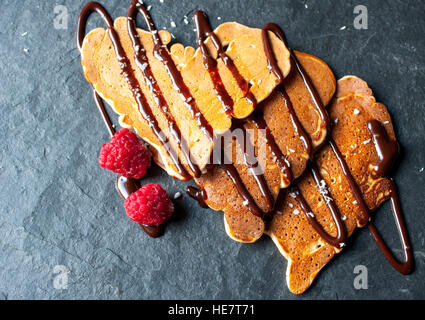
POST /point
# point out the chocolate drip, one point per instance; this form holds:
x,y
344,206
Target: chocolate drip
x,y
125,186
161,53
197,194
233,174
223,162
259,178
299,129
339,240
355,190
406,266
143,63
281,159
203,31
273,66
387,149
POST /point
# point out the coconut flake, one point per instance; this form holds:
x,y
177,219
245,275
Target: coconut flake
x,y
366,141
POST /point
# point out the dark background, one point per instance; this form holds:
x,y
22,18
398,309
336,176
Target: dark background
x,y
58,207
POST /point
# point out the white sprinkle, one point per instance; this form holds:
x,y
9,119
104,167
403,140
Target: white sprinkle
x,y
173,24
177,195
24,34
386,122
324,191
336,120
290,205
259,81
165,28
311,214
342,28
342,244
356,111
421,169
162,1
26,50
366,141
172,36
291,150
278,212
296,211
343,218
306,6
245,203
353,146
355,202
218,18
293,195
185,21
149,7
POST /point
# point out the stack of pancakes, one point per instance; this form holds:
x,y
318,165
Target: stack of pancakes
x,y
285,222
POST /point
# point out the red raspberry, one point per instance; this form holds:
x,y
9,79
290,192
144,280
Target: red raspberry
x,y
125,154
150,205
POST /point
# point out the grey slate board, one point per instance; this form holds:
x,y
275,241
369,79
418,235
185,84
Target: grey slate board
x,y
58,207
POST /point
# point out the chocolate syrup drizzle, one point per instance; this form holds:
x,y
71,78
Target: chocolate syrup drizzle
x,y
125,186
386,148
161,53
280,158
203,31
198,194
143,63
273,66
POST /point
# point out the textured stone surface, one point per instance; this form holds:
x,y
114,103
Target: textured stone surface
x,y
58,207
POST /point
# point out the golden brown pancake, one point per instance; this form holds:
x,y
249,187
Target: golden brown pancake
x,y
222,193
307,253
102,70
